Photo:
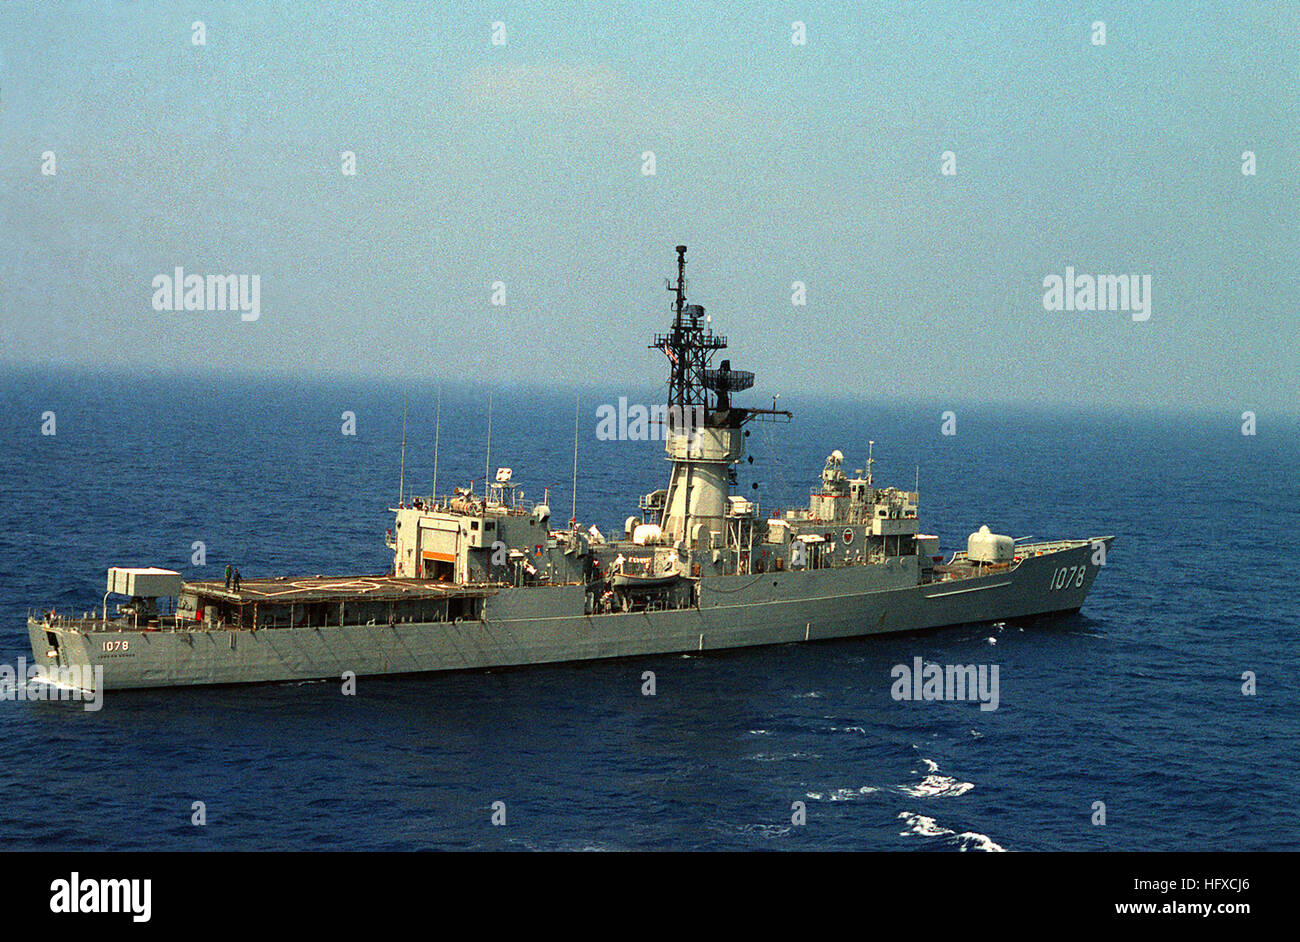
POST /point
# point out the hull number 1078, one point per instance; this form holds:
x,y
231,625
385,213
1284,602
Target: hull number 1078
x,y
1068,577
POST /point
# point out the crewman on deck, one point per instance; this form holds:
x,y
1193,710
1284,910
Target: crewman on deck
x,y
235,580
228,571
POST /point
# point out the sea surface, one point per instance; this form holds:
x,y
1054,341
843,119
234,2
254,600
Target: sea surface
x,y
1137,702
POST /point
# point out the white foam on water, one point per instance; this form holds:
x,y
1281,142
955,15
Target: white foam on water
x,y
842,794
935,785
566,846
43,681
970,840
770,757
768,831
924,826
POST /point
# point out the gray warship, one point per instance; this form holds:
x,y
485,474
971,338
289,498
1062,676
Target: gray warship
x,y
482,580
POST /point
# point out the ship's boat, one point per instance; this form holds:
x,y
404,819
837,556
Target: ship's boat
x,y
633,582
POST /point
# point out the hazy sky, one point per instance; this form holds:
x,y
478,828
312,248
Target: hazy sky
x,y
776,163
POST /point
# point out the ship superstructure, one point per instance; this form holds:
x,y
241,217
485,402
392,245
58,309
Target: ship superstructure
x,y
485,579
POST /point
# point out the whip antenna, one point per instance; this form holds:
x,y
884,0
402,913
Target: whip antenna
x,y
573,517
487,459
437,431
401,474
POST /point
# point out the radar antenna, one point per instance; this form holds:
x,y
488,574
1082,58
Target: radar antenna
x,y
692,381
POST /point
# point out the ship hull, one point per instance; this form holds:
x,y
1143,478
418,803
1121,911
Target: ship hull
x,y
521,627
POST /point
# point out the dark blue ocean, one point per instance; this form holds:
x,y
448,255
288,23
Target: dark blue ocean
x,y
1136,702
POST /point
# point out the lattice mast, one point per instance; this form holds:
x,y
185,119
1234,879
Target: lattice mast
x,y
703,439
689,346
